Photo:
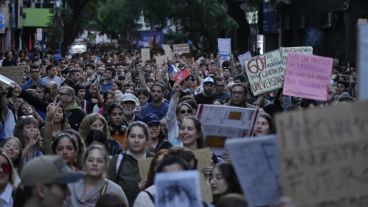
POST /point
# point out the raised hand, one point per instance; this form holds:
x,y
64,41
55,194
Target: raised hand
x,y
51,109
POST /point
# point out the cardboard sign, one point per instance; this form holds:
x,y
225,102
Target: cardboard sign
x,y
255,162
285,51
14,73
160,60
362,55
178,189
221,122
307,76
265,72
323,155
145,53
181,48
168,52
204,157
143,165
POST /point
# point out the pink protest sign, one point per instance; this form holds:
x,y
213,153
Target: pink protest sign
x,y
307,76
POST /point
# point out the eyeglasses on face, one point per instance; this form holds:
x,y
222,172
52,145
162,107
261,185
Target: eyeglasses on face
x,y
189,111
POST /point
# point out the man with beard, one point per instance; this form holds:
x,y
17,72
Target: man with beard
x,y
207,96
157,105
129,102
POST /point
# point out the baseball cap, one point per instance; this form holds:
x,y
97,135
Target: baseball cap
x,y
151,118
48,169
208,80
129,97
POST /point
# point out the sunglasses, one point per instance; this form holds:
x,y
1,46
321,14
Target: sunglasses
x,y
186,111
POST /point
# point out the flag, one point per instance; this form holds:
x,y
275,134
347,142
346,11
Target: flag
x,y
177,74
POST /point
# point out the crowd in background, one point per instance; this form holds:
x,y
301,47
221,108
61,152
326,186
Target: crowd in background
x,y
103,110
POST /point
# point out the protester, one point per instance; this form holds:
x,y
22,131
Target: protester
x,y
12,147
223,181
207,96
96,121
87,191
158,141
66,147
44,182
157,105
9,180
111,200
124,167
27,130
264,125
70,106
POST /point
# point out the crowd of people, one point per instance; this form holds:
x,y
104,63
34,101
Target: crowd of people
x,y
72,133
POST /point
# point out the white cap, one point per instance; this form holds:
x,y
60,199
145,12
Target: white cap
x,y
129,97
208,80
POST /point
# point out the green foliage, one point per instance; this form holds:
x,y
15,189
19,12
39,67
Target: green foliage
x,y
118,16
55,31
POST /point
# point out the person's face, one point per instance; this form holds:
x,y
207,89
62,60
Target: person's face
x,y
35,73
184,111
64,96
188,133
100,70
136,140
217,182
238,94
109,99
116,116
208,88
154,129
97,124
16,92
58,116
157,94
30,131
220,86
262,127
40,93
89,71
12,149
76,76
5,171
26,109
107,75
18,102
340,88
143,99
52,72
128,107
226,73
81,93
114,87
95,164
66,150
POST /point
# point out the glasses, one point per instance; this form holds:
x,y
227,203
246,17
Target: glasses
x,y
186,111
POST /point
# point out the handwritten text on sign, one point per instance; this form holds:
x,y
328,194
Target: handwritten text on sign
x,y
285,51
181,49
323,154
265,72
307,76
